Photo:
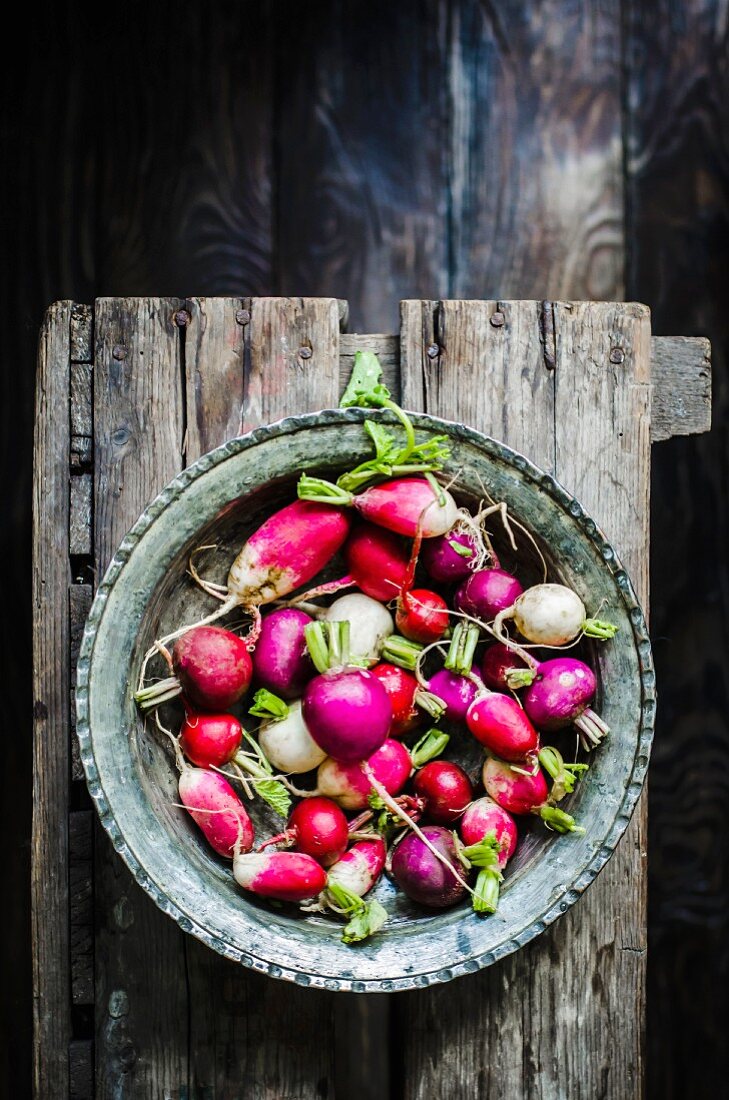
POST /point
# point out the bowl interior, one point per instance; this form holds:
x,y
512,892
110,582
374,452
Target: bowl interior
x,y
221,502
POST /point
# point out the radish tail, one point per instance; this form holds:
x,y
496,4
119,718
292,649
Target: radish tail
x,y
591,728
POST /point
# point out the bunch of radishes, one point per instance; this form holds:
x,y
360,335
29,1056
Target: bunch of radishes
x,y
341,685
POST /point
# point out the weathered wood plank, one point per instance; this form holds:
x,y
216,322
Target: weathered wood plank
x,y
81,1069
82,426
49,876
681,376
79,523
82,334
250,1036
81,896
141,997
80,596
525,1026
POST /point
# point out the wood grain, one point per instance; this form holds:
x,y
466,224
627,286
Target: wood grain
x,y
51,752
681,376
523,1027
141,997
248,1035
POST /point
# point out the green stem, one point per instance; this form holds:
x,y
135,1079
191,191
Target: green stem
x,y
486,893
429,702
462,648
315,488
328,644
401,651
158,693
596,628
268,705
558,820
428,747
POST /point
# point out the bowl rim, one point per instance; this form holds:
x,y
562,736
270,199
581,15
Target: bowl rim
x,y
634,781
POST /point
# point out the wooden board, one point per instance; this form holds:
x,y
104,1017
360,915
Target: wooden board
x,y
524,1027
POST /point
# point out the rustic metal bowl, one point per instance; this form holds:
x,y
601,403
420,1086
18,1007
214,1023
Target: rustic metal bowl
x,y
222,498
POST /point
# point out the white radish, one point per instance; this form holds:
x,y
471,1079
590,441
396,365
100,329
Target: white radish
x,y
288,745
370,624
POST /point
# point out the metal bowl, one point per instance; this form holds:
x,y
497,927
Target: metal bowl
x,y
222,498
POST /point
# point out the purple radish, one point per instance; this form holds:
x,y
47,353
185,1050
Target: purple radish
x,y
561,693
347,712
521,793
486,593
503,669
450,558
349,787
284,876
288,745
552,615
403,505
501,725
423,877
281,661
216,809
456,691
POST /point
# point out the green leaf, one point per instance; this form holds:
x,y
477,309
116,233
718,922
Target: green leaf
x,y
365,923
268,705
275,794
364,383
386,446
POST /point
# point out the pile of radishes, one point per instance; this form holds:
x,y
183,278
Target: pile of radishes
x,y
336,709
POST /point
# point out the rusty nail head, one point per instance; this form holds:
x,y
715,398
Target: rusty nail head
x,y
305,352
497,319
119,351
617,355
182,318
242,316
432,351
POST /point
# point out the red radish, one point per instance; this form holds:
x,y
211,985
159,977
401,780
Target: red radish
x,y
503,669
402,505
288,745
423,877
486,593
456,691
319,829
402,688
501,725
451,557
347,784
552,615
360,867
376,561
521,793
285,876
216,809
422,616
211,666
445,789
210,740
485,816
560,695
347,712
281,661
370,624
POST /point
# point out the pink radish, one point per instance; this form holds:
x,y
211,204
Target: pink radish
x,y
450,558
422,616
521,793
551,615
424,878
560,695
284,876
403,505
349,880
503,669
319,828
281,661
489,833
347,784
376,561
211,666
216,809
401,688
445,789
487,592
347,712
210,740
501,725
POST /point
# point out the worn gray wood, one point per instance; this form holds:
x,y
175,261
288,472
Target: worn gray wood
x,y
49,869
681,375
141,998
80,536
81,349
82,428
570,1007
81,896
261,1038
81,1069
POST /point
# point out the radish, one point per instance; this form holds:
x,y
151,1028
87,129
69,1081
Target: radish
x,y
376,561
560,695
522,793
552,615
216,809
445,789
211,666
288,744
422,616
369,623
490,836
406,698
349,880
424,878
450,558
486,593
403,505
281,661
501,725
504,669
284,876
457,692
319,828
347,784
210,740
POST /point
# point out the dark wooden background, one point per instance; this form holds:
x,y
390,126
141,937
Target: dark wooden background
x,y
375,151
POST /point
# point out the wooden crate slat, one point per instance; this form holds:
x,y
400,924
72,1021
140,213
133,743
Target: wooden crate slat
x,y
270,1037
141,997
523,1027
681,375
51,756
